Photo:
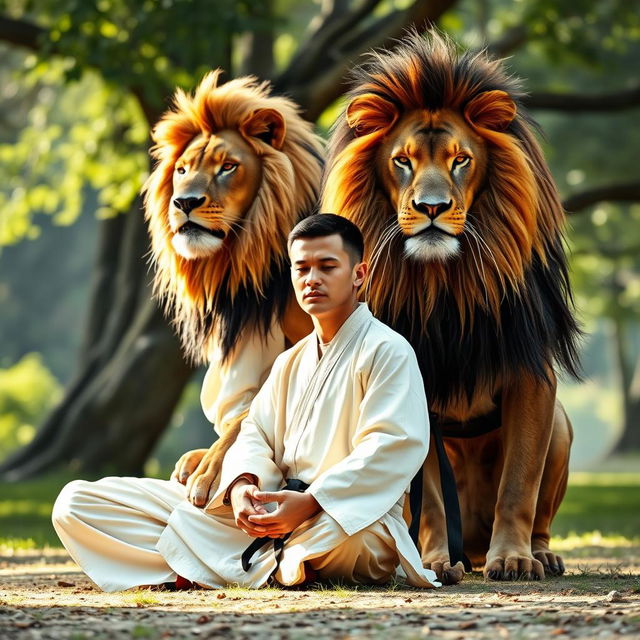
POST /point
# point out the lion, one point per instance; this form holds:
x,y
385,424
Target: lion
x,y
236,169
435,160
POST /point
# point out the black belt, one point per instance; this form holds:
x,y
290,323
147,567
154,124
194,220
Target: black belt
x,y
278,543
439,429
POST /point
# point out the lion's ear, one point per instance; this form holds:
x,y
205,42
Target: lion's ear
x,y
492,110
267,125
370,112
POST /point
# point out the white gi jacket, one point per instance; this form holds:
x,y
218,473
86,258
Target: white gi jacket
x,y
353,425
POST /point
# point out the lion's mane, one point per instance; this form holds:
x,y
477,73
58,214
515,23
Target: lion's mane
x,y
246,283
472,322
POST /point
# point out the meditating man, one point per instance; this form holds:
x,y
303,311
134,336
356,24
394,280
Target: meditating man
x,y
316,481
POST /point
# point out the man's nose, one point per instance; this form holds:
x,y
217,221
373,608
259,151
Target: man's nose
x,y
313,277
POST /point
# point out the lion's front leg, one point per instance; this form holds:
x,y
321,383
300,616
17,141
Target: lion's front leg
x,y
433,526
552,490
527,420
203,482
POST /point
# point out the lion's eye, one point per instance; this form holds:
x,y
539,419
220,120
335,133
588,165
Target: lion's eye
x,y
180,170
402,162
461,161
228,167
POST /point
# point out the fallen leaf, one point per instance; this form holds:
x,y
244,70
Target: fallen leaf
x,y
64,583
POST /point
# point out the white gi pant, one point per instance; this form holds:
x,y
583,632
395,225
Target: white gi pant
x,y
127,532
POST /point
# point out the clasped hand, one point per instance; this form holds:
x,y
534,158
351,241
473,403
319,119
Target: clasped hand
x,y
251,516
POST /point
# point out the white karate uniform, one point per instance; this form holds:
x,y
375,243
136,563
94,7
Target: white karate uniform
x,y
353,425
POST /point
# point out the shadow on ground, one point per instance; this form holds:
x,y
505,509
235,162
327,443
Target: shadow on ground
x,y
43,595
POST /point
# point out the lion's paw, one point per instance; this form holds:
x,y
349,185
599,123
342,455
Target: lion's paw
x,y
552,563
514,567
446,573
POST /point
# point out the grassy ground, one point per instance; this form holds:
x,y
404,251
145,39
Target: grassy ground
x,y
44,595
597,506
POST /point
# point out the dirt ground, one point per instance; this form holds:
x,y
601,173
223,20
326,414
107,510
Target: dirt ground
x,y
43,595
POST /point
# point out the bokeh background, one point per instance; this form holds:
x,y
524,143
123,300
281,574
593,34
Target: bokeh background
x,y
91,377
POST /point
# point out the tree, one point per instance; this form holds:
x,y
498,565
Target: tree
x,y
130,372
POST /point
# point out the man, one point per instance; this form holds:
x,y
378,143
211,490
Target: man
x,y
342,415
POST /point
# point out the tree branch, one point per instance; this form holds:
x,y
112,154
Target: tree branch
x,y
21,33
576,102
326,68
611,252
508,42
627,192
333,22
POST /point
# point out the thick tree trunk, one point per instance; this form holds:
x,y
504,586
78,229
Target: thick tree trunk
x,y
630,440
130,372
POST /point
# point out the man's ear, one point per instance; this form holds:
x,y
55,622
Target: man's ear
x,y
370,112
267,125
360,272
491,110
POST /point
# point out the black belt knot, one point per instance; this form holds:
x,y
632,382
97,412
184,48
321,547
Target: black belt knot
x,y
278,543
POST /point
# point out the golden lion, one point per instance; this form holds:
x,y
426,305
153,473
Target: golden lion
x,y
435,160
236,169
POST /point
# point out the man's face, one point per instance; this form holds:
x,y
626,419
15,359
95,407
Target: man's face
x,y
323,274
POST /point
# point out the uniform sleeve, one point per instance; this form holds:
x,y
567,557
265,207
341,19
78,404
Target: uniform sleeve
x,y
390,443
230,386
253,451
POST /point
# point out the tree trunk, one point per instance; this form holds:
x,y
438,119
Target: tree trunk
x,y
130,372
630,440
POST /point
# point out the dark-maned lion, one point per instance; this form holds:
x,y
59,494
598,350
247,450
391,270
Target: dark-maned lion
x,y
435,160
236,169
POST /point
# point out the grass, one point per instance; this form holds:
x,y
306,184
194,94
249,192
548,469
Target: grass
x,y
601,503
25,512
599,509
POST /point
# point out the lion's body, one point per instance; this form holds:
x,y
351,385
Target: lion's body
x,y
463,228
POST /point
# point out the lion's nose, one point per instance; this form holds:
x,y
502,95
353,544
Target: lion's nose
x,y
433,210
187,205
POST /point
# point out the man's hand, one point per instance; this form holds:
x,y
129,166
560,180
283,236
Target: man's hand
x,y
293,509
245,506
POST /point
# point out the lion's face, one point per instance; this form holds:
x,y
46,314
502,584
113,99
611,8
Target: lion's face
x,y
431,165
215,181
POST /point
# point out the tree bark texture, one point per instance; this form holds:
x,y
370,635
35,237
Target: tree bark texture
x,y
130,370
630,385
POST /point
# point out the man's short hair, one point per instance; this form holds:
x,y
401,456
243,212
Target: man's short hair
x,y
320,225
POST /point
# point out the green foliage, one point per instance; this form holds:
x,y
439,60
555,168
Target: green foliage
x,y
93,102
76,137
27,392
143,45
